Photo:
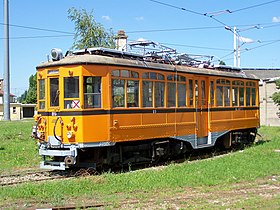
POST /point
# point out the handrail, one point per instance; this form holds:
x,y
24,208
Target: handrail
x,y
55,128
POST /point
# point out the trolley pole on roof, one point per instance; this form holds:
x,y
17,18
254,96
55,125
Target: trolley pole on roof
x,y
6,62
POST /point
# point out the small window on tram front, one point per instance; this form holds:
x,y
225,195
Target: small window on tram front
x,y
42,94
71,92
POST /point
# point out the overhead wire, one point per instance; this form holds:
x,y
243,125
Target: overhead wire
x,y
176,7
174,29
39,37
188,10
253,48
164,30
253,6
39,29
199,47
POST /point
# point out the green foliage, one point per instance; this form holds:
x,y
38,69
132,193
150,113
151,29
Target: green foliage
x,y
30,95
276,95
89,33
222,63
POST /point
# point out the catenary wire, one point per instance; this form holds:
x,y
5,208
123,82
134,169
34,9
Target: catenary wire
x,y
39,29
39,37
253,6
176,7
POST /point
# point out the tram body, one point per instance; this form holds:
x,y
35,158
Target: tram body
x,y
101,106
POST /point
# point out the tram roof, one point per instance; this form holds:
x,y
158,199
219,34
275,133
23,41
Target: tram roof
x,y
110,57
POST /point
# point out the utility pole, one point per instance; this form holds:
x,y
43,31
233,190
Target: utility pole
x,y
234,46
236,41
6,62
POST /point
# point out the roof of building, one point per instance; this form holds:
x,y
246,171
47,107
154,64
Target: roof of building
x,y
2,93
263,74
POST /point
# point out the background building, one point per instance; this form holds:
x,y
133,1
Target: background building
x,y
18,111
269,112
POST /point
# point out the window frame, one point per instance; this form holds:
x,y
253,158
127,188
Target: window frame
x,y
89,97
69,100
125,75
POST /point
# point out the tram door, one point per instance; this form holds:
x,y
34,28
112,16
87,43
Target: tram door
x,y
53,105
201,107
54,92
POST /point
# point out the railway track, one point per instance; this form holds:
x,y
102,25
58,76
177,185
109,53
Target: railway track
x,y
37,176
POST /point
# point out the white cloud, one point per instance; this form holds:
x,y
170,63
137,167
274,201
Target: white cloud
x,y
276,19
245,40
139,18
106,17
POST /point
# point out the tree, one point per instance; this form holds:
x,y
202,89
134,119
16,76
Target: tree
x,y
222,63
276,95
89,33
30,95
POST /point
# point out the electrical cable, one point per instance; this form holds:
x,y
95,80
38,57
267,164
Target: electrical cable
x,y
38,37
199,47
175,29
253,6
39,29
176,7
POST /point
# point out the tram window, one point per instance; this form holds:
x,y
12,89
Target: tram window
x,y
226,95
234,96
145,75
203,98
125,73
219,95
132,93
181,78
160,77
147,93
41,104
248,94
170,77
92,92
54,92
116,73
71,90
159,94
182,95
191,92
253,96
41,94
212,93
71,87
118,92
241,96
171,94
153,75
134,74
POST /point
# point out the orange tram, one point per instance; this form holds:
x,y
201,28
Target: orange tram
x,y
100,107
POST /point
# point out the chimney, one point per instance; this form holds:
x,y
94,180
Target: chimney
x,y
121,41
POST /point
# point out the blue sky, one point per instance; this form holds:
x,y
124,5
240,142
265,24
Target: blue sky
x,y
178,24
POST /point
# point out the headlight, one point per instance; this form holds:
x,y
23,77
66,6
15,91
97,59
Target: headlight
x,y
70,134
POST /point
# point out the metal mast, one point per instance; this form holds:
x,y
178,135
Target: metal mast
x,y
6,62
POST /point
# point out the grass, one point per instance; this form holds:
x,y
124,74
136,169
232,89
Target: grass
x,y
218,174
17,149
